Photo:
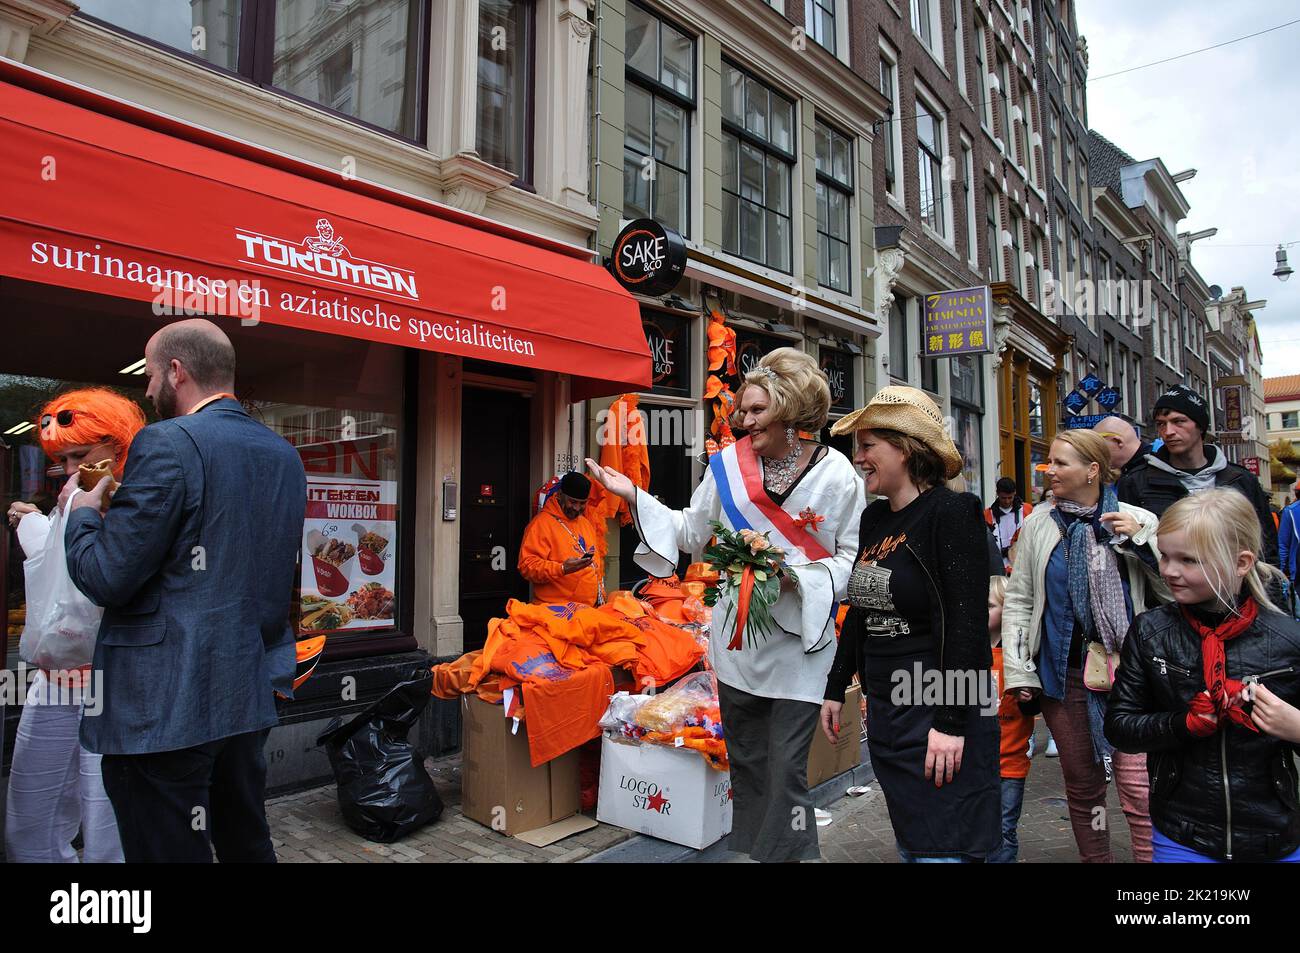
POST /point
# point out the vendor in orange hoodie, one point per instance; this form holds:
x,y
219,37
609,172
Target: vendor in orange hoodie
x,y
563,554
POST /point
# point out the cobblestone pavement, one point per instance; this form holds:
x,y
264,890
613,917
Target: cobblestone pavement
x,y
860,831
308,828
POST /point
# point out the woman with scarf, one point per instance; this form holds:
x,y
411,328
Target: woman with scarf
x,y
807,497
1208,687
1084,568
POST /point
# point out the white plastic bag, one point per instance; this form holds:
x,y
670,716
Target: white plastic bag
x,y
61,622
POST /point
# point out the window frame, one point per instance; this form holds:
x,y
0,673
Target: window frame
x,y
791,159
1017,259
524,179
934,26
929,103
968,187
832,8
985,105
255,62
959,48
657,88
848,190
1004,80
893,144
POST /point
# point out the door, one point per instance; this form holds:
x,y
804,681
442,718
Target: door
x,y
495,506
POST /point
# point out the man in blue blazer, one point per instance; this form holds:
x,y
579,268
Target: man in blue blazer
x,y
195,565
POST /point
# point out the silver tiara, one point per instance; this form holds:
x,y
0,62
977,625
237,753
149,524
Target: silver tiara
x,y
766,371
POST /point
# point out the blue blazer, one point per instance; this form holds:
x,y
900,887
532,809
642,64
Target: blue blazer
x,y
195,564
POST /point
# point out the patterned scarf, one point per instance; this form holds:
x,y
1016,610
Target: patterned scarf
x,y
1096,590
1214,665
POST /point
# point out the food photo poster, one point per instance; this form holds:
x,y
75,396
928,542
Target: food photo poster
x,y
349,559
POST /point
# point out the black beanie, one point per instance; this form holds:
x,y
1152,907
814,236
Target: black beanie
x,y
1182,399
575,486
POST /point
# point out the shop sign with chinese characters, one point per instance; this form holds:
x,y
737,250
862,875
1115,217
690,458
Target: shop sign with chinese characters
x,y
957,322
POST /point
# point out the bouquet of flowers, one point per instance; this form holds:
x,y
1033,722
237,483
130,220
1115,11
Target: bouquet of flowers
x,y
750,567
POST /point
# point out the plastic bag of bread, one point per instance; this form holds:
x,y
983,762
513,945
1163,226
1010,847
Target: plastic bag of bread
x,y
670,709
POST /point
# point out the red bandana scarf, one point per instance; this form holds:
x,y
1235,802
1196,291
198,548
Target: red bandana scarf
x,y
1214,663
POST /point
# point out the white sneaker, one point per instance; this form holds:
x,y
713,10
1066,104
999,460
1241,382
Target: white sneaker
x,y
1032,746
1051,748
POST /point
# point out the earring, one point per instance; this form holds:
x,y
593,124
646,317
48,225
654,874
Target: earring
x,y
1089,481
790,435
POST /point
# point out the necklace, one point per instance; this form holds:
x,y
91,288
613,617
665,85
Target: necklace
x,y
778,474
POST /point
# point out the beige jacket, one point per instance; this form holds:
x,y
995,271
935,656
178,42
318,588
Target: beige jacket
x,y
1022,610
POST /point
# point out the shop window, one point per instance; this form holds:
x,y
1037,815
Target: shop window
x,y
834,205
363,61
669,339
505,85
758,156
659,102
338,400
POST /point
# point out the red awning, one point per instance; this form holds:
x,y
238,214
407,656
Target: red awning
x,y
101,204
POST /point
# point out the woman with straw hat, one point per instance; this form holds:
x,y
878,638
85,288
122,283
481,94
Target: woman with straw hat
x,y
917,635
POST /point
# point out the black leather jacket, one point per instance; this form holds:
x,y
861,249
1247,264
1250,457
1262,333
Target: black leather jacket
x,y
1233,795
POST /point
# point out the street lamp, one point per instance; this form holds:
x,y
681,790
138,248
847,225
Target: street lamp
x,y
1283,271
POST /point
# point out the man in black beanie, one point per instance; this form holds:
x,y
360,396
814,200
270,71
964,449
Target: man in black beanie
x,y
1187,464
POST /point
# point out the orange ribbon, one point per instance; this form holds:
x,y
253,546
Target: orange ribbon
x,y
742,608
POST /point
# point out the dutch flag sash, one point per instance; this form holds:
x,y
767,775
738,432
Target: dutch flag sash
x,y
739,478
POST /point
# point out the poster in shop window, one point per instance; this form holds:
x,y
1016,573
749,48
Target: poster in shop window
x,y
349,543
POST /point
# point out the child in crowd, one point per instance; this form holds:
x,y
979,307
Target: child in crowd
x,y
1017,729
1208,685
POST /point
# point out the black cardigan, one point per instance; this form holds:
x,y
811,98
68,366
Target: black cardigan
x,y
952,549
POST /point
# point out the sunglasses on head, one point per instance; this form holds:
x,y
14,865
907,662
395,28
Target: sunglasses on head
x,y
64,418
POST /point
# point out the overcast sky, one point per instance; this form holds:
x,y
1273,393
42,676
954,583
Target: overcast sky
x,y
1229,113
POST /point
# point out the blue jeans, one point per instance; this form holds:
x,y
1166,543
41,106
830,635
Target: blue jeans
x,y
1013,799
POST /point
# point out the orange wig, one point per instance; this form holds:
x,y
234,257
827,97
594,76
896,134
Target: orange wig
x,y
98,415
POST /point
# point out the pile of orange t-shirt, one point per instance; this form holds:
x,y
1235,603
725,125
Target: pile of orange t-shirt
x,y
561,659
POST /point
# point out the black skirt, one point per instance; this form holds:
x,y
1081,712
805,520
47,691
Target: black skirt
x,y
962,818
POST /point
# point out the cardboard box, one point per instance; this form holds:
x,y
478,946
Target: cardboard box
x,y
825,760
499,786
669,793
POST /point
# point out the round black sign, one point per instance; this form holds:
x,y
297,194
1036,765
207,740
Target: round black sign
x,y
648,258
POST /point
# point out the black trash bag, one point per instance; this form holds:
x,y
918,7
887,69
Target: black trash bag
x,y
384,791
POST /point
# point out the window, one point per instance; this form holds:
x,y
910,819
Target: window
x,y
925,24
899,357
819,17
659,100
758,156
505,82
1049,40
959,44
929,366
1004,102
1075,263
982,80
992,231
1026,132
372,74
1089,297
931,150
1069,181
968,193
834,202
893,126
1017,264
1104,290
1137,388
1085,192
1039,265
1290,419
1059,285
1054,142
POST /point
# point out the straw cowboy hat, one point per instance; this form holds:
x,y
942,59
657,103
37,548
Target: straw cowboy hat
x,y
910,412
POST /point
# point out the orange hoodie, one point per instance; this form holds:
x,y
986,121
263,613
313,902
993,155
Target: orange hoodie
x,y
550,539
